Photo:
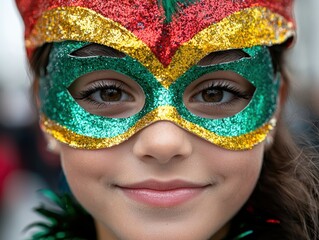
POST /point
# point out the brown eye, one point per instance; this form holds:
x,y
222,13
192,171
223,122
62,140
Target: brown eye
x,y
212,95
223,94
108,93
215,95
111,94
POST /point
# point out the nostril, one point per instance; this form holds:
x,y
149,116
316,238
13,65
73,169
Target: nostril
x,y
147,157
162,142
178,157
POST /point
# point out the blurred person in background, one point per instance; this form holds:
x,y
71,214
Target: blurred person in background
x,y
167,132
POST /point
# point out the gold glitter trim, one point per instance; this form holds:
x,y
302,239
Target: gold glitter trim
x,y
246,28
168,113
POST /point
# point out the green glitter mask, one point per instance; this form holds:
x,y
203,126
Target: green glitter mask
x,y
70,123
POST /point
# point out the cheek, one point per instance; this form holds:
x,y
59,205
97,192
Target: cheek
x,y
237,172
85,168
91,163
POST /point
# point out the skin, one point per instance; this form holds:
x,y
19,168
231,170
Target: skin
x,y
162,155
163,152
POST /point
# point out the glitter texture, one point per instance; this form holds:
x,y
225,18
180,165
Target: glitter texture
x,y
146,19
247,28
161,56
59,106
243,142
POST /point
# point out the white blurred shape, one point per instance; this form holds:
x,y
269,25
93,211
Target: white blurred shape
x,y
13,58
14,81
304,57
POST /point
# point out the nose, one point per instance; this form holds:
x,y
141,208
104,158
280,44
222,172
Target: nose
x,y
162,142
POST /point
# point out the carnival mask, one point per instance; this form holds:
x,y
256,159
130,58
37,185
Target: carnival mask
x,y
161,48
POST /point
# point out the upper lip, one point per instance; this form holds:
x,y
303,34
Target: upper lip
x,y
163,185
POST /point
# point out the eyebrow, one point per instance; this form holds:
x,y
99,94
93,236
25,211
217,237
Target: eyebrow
x,y
94,49
223,57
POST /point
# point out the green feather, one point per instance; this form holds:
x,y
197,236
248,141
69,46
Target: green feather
x,y
173,6
67,220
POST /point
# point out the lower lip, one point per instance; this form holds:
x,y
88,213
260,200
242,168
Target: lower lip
x,y
161,198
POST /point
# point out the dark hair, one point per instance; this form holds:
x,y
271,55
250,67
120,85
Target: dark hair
x,y
288,187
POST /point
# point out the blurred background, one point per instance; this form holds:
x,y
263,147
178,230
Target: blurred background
x,y
25,163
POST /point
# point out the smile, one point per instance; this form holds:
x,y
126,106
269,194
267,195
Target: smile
x,y
163,194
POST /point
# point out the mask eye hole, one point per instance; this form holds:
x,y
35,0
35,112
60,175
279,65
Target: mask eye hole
x,y
218,95
108,93
222,57
94,49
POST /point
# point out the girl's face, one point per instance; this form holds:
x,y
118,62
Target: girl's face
x,y
163,182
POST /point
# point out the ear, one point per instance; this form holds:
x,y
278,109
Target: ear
x,y
53,145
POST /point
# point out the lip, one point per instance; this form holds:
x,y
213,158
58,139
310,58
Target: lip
x,y
163,194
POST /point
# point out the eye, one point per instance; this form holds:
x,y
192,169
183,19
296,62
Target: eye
x,y
105,92
214,95
218,97
108,94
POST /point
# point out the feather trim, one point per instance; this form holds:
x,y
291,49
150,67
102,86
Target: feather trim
x,y
68,221
171,7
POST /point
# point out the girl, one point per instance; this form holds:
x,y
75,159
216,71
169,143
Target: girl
x,y
167,118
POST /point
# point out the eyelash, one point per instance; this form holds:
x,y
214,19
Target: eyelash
x,y
85,94
226,87
98,86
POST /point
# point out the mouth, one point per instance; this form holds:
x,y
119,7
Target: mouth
x,y
163,194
